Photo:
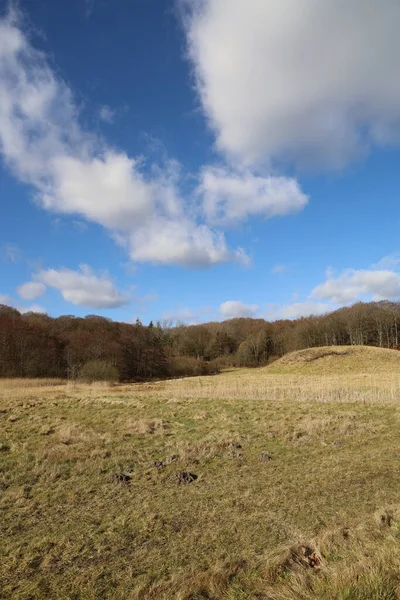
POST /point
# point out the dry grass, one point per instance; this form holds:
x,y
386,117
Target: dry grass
x,y
92,507
336,360
261,384
23,384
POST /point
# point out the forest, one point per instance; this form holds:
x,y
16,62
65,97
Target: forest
x,y
93,347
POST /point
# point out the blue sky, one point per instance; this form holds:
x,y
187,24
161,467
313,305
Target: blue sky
x,y
198,161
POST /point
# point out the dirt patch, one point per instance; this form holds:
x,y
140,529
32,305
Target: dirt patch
x,y
324,354
297,557
124,477
184,477
159,464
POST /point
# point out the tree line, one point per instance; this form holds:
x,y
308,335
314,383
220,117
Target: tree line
x,y
36,345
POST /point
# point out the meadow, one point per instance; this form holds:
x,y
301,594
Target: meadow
x,y
251,484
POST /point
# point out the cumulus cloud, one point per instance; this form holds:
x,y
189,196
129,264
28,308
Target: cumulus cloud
x,y
75,172
311,82
234,308
193,245
355,284
352,285
83,287
187,315
31,290
33,308
9,301
230,197
297,310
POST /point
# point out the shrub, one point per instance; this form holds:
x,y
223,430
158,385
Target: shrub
x,y
223,362
181,366
98,370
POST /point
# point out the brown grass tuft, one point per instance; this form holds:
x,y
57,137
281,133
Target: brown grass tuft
x,y
145,426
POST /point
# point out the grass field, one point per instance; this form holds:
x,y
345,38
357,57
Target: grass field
x,y
296,494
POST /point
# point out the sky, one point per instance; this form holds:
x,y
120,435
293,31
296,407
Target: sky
x,y
199,160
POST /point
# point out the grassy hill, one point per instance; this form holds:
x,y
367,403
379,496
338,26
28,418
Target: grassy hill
x,y
336,360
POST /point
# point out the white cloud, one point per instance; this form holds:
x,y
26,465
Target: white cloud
x,y
279,269
230,197
80,226
33,308
76,173
297,310
9,301
234,308
187,315
193,245
354,285
313,82
387,262
31,290
12,252
107,114
6,299
350,286
83,287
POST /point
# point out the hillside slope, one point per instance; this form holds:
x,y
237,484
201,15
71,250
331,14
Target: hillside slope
x,y
332,360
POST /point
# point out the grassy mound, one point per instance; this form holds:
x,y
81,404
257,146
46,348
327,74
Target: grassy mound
x,y
332,360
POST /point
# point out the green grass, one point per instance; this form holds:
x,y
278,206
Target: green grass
x,y
71,531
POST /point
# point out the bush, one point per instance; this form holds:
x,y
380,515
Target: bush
x,y
182,366
226,361
98,370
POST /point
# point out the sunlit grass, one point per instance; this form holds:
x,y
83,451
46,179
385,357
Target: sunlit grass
x,y
72,529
